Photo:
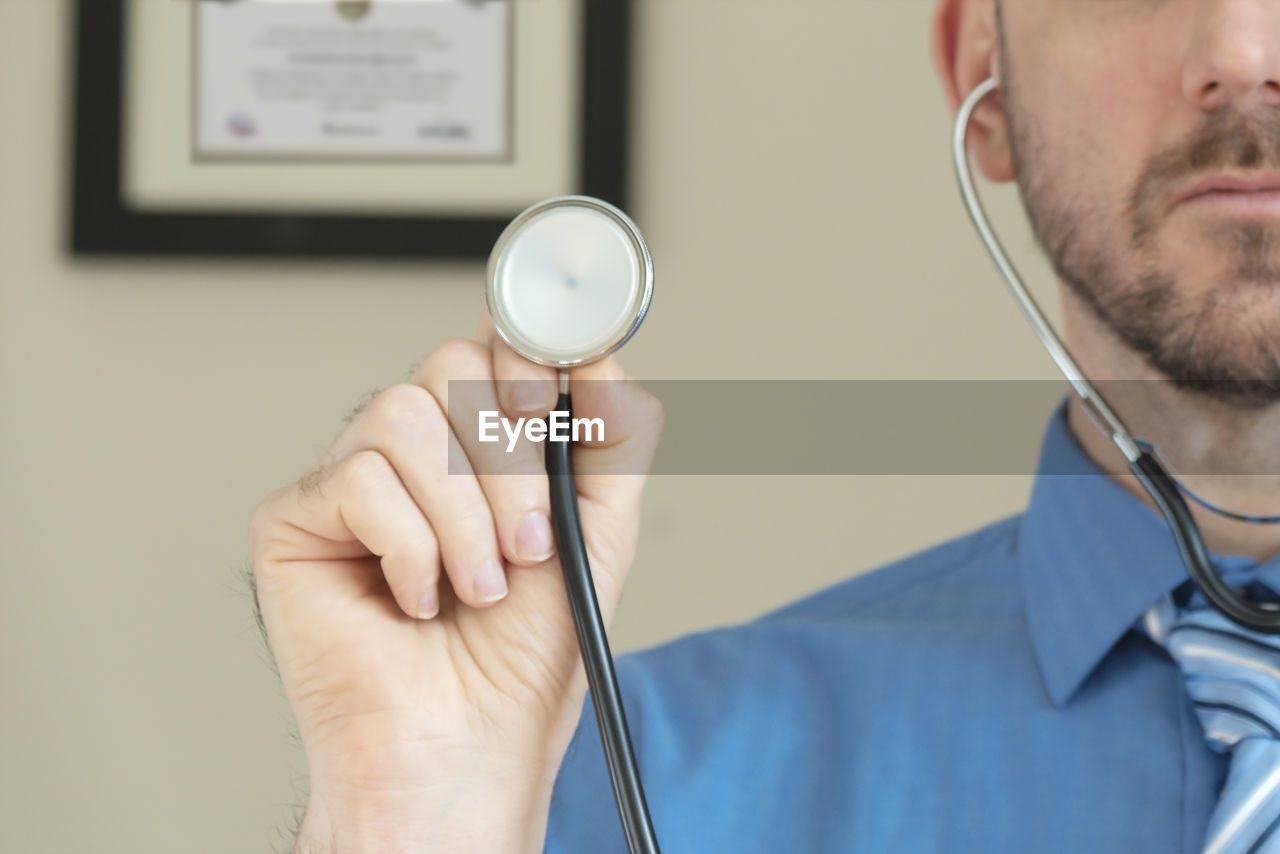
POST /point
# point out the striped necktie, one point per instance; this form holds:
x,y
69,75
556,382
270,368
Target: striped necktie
x,y
1233,679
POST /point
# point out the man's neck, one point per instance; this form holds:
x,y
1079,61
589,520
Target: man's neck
x,y
1207,446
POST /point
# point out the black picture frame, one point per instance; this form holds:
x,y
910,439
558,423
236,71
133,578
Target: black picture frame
x,y
101,224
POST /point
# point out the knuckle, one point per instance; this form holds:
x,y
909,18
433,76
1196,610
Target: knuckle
x,y
260,522
424,549
449,358
366,470
412,558
406,409
471,526
520,494
654,411
268,535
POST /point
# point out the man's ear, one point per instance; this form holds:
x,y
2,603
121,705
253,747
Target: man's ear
x,y
963,42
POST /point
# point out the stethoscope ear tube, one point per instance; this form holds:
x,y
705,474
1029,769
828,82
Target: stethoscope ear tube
x,y
611,718
1164,492
1157,482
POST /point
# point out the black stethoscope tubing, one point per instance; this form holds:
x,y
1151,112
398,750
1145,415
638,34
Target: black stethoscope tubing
x,y
606,698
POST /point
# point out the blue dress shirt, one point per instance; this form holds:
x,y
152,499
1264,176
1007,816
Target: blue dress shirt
x,y
984,695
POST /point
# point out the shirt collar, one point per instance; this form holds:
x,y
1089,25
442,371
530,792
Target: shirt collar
x,y
1093,558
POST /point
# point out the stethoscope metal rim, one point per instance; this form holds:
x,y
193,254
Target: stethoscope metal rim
x,y
531,350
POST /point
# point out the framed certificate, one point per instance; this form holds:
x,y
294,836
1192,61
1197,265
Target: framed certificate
x,y
301,128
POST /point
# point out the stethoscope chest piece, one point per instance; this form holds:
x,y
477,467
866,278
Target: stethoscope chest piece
x,y
569,281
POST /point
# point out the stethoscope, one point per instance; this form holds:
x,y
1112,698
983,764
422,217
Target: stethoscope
x,y
1142,456
569,282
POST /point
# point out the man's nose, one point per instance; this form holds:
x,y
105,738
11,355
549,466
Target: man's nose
x,y
1233,58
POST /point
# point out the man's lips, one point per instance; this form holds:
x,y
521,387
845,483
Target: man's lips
x,y
1256,193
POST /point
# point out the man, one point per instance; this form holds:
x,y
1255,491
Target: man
x,y
1013,690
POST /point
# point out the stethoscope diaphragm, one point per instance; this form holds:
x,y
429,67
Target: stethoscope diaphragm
x,y
569,281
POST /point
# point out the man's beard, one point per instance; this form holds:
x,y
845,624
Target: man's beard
x,y
1224,343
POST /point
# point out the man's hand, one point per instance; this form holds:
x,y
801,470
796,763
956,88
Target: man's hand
x,y
419,617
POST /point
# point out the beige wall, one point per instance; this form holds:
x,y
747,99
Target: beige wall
x,y
791,157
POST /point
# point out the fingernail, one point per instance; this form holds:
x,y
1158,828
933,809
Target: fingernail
x,y
491,581
533,538
430,604
530,396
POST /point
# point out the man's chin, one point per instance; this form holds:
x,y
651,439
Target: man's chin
x,y
1231,350
1218,338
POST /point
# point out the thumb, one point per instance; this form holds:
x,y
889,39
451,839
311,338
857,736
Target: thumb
x,y
610,470
617,458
